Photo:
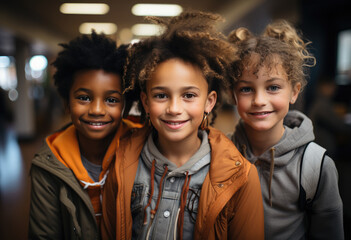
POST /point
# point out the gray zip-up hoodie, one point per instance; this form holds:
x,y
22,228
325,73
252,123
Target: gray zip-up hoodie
x,y
279,171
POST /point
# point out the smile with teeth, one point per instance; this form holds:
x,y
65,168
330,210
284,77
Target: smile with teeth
x,y
174,123
96,123
260,113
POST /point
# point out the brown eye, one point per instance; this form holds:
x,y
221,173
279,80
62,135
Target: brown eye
x,y
112,100
189,95
83,98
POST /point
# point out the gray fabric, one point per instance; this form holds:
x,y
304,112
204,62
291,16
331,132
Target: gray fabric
x,y
284,219
165,221
60,208
93,170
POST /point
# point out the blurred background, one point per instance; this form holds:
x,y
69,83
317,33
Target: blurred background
x,y
30,108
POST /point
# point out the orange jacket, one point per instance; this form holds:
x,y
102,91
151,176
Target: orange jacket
x,y
230,205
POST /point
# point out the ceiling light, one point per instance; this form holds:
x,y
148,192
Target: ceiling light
x,y
161,10
38,63
146,29
84,8
107,28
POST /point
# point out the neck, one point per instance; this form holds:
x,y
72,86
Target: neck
x,y
94,150
261,141
179,152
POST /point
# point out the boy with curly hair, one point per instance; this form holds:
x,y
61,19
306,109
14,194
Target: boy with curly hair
x,y
69,172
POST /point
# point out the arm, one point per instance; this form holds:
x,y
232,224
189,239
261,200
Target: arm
x,y
45,216
248,220
326,216
108,222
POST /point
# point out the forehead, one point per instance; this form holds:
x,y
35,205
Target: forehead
x,y
175,73
97,79
270,65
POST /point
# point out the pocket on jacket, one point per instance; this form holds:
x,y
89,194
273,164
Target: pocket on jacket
x,y
137,206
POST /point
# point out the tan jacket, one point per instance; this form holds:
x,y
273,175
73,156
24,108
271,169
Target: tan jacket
x,y
230,203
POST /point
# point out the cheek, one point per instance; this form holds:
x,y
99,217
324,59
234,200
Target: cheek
x,y
75,109
116,112
281,102
156,109
243,104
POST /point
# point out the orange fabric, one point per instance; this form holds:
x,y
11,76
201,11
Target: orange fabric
x,y
65,147
230,203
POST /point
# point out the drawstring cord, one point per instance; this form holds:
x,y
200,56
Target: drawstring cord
x,y
183,198
100,183
153,211
271,171
243,147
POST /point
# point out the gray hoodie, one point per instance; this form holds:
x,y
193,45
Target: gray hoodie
x,y
279,171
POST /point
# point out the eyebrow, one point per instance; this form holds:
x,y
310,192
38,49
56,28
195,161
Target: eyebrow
x,y
89,91
166,88
269,80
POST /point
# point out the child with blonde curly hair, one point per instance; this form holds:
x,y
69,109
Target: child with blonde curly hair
x,y
178,178
269,76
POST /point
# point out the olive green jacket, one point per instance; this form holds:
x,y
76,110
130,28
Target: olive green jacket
x,y
60,207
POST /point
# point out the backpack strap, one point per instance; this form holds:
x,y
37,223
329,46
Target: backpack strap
x,y
310,174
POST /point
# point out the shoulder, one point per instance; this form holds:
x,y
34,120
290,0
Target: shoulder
x,y
46,159
226,161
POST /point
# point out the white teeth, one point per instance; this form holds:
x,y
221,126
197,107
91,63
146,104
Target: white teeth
x,y
173,123
96,124
261,113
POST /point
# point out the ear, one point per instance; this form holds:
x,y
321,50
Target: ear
x,y
211,101
295,93
144,101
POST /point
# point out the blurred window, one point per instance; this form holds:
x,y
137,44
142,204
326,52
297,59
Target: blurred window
x,y
8,77
344,58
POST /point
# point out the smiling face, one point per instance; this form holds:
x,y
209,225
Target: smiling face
x,y
263,96
96,104
176,98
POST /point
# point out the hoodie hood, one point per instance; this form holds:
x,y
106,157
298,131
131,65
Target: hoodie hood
x,y
200,159
65,147
298,132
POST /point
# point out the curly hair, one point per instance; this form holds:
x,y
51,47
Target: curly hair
x,y
191,37
279,39
86,52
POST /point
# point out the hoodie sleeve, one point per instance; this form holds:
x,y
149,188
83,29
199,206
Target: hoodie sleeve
x,y
326,217
248,220
108,222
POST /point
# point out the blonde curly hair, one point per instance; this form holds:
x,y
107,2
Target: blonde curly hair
x,y
191,37
279,39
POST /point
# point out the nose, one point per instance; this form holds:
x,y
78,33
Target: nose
x,y
174,107
259,98
97,108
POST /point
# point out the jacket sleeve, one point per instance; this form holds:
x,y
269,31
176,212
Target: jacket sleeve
x,y
248,220
326,216
45,217
108,222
